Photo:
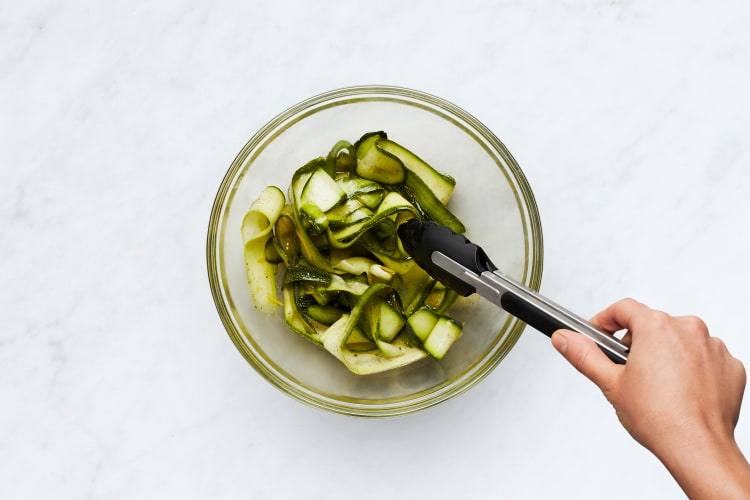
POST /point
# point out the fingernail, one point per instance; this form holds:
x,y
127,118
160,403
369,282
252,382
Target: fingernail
x,y
560,342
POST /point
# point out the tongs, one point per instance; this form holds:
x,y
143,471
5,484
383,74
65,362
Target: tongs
x,y
463,266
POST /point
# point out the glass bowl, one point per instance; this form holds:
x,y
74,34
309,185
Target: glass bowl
x,y
492,198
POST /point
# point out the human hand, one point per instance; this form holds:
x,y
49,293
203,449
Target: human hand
x,y
679,394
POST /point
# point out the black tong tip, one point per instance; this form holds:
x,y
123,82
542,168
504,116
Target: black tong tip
x,y
421,238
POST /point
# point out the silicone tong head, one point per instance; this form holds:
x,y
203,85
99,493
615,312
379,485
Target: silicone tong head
x,y
421,238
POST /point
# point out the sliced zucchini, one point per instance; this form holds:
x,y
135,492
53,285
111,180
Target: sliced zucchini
x,y
307,247
371,200
422,321
440,298
416,286
294,319
324,281
313,218
362,265
421,196
445,332
323,297
300,178
285,237
341,158
303,272
351,285
348,283
347,213
375,164
366,362
324,314
399,261
358,342
322,191
272,253
422,185
400,266
448,300
367,192
390,321
257,226
440,184
354,265
386,232
391,204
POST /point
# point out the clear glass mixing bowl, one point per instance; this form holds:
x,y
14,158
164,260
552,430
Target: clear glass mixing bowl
x,y
492,198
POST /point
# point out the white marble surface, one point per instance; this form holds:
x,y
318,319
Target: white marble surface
x,y
118,121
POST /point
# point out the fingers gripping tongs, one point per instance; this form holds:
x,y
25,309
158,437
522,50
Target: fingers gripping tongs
x,y
465,267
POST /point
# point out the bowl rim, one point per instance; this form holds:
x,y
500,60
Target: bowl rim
x,y
351,406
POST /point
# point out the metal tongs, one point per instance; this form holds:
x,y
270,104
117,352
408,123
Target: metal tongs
x,y
463,266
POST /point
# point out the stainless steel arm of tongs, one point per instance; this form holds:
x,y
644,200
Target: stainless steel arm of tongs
x,y
529,306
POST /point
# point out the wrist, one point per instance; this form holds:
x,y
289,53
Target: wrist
x,y
708,466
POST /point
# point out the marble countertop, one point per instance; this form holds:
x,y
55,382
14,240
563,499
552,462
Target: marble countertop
x,y
119,119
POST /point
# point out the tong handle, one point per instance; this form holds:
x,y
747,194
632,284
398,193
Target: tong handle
x,y
529,306
547,316
463,266
540,320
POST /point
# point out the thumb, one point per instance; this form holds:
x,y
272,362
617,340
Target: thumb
x,y
586,357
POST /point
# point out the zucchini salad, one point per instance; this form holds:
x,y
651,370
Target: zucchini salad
x,y
331,244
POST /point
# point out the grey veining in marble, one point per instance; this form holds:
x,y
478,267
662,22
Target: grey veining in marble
x,y
118,120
